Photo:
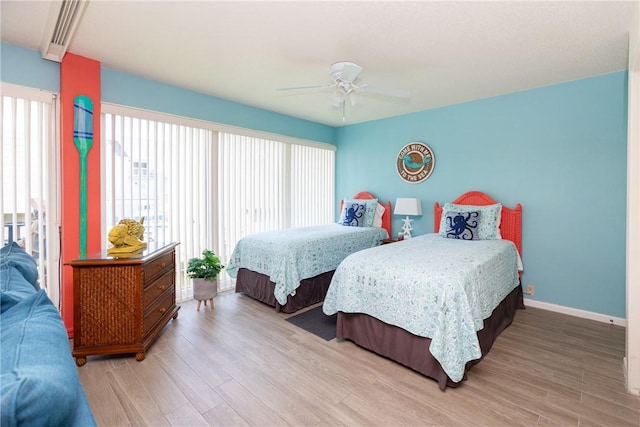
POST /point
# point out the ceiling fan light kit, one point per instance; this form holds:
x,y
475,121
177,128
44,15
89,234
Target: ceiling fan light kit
x,y
346,83
344,72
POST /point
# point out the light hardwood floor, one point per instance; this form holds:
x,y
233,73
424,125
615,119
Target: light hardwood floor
x,y
242,364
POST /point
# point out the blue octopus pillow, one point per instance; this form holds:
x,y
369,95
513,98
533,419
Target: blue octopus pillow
x,y
462,225
353,214
488,222
370,210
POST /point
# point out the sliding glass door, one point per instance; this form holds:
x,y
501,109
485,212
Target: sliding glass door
x,y
29,198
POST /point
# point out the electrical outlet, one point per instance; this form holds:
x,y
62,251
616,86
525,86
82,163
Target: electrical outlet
x,y
529,290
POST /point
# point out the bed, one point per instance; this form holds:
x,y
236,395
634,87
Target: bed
x,y
418,301
291,269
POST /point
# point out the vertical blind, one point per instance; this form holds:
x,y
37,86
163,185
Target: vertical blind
x,y
160,171
311,186
28,194
251,177
207,188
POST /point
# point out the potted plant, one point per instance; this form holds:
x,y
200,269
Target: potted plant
x,y
204,272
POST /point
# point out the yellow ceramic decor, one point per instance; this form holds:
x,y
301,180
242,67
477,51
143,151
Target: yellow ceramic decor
x,y
126,237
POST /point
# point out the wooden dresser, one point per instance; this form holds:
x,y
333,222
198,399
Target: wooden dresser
x,y
120,305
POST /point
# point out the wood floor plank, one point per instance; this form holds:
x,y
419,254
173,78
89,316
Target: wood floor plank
x,y
606,388
198,392
605,407
516,397
186,415
592,414
247,405
223,415
96,384
136,398
199,361
275,398
243,364
423,408
161,387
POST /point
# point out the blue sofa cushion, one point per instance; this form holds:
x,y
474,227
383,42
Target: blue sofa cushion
x,y
18,273
40,384
39,379
13,255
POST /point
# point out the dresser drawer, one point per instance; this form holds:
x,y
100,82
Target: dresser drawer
x,y
158,310
158,267
157,288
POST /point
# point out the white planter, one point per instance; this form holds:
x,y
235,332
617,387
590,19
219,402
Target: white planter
x,y
204,290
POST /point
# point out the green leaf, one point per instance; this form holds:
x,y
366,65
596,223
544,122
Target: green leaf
x,y
206,267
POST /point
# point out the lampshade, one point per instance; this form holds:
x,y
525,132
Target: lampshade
x,y
407,206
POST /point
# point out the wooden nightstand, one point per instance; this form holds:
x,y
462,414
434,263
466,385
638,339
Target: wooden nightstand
x,y
121,304
385,241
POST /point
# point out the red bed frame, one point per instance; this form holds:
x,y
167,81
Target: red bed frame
x,y
510,221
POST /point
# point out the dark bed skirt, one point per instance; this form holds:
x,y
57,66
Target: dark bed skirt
x,y
413,351
258,286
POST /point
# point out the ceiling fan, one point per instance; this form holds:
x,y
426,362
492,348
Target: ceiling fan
x,y
347,85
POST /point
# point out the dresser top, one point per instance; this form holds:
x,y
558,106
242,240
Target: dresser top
x,y
153,250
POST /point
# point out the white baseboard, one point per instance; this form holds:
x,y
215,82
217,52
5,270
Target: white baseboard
x,y
576,312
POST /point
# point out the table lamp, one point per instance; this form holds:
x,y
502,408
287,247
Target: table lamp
x,y
407,206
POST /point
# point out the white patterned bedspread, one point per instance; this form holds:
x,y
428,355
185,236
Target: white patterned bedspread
x,y
431,286
291,255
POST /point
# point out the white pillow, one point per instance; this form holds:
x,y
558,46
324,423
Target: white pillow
x,y
489,222
377,218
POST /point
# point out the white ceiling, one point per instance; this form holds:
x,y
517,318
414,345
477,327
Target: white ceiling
x,y
443,52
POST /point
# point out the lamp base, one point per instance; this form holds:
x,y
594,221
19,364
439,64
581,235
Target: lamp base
x,y
406,227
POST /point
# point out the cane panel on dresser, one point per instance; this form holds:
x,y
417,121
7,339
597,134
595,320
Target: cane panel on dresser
x,y
122,304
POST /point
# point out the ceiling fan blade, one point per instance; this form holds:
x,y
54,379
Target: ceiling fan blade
x,y
354,98
323,86
398,93
338,98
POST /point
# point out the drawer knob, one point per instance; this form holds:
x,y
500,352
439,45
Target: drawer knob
x,y
163,264
162,287
162,310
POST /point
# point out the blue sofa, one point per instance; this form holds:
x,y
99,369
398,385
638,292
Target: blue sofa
x,y
38,377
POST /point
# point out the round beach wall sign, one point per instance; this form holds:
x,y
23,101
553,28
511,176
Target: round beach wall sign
x,y
415,162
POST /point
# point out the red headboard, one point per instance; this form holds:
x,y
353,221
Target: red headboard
x,y
510,221
386,217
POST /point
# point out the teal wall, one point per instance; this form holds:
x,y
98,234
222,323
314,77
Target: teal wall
x,y
125,89
27,68
560,151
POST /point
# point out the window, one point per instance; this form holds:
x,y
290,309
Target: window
x,y
30,179
206,187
